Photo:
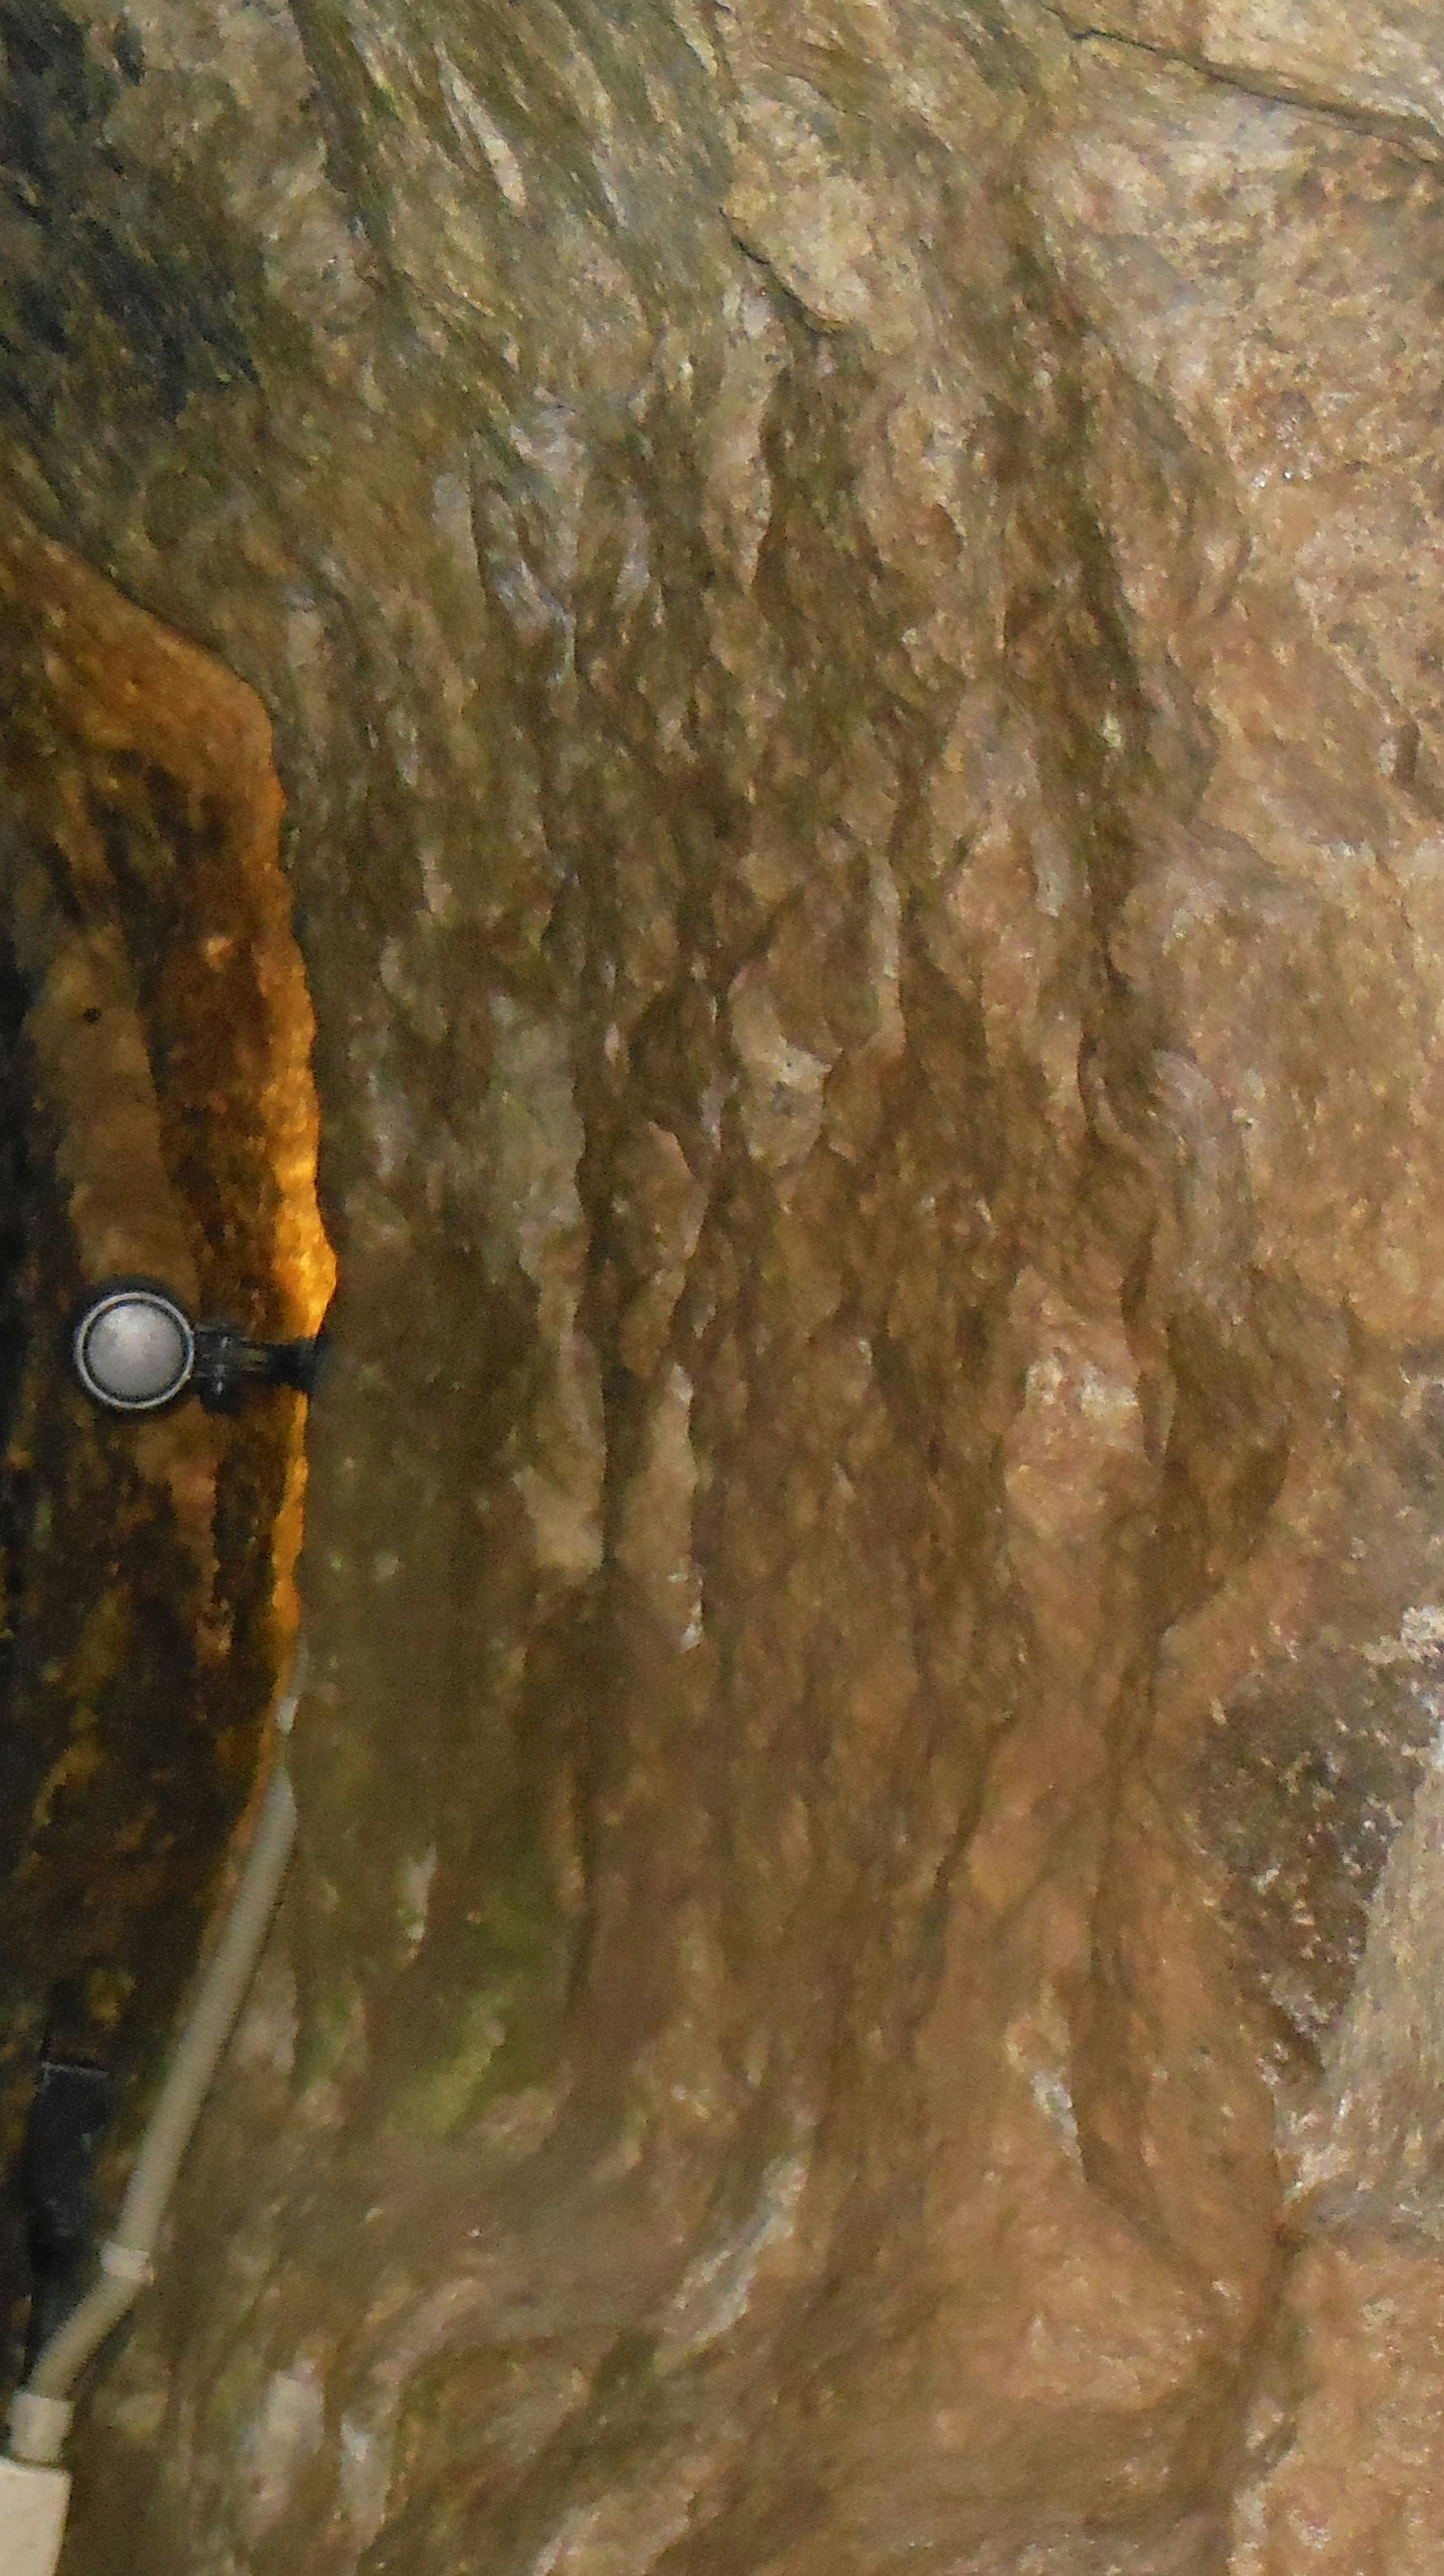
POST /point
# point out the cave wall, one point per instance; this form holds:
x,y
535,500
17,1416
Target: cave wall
x,y
846,595
163,1122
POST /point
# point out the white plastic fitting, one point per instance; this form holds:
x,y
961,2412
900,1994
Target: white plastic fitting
x,y
33,2504
38,2427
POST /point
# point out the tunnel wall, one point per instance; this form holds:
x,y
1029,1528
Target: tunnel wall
x,y
162,1122
845,597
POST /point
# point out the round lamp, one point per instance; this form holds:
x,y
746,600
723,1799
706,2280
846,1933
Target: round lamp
x,y
134,1347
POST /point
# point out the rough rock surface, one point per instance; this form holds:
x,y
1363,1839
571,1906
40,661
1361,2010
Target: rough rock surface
x,y
848,595
163,1123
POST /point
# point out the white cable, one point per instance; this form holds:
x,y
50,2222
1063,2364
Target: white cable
x,y
40,2412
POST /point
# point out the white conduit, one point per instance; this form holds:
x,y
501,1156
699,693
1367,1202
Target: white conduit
x,y
34,2489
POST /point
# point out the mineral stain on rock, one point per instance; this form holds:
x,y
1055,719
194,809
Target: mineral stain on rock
x,y
844,598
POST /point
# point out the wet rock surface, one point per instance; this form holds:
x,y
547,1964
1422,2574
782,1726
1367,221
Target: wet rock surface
x,y
846,597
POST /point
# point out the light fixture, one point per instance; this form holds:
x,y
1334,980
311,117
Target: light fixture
x,y
136,1350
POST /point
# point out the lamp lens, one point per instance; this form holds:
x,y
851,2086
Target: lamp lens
x,y
134,1349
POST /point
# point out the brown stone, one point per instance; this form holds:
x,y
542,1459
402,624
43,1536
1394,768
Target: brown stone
x,y
847,600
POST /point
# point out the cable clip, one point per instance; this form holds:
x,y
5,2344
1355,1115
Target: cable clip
x,y
127,2263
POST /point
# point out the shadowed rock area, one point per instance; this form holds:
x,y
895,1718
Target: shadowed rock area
x,y
847,594
160,1121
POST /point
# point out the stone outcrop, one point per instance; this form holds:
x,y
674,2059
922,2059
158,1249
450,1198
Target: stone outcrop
x,y
847,599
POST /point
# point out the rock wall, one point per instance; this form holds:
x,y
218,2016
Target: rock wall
x,y
846,593
161,1121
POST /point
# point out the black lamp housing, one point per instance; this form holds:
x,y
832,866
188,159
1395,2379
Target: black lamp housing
x,y
135,1350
